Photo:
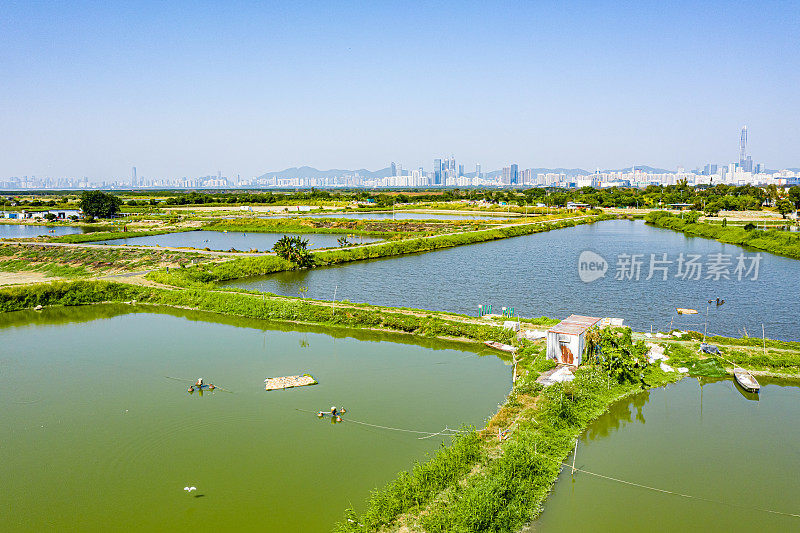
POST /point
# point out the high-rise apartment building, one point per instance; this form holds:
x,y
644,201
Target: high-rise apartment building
x,y
510,175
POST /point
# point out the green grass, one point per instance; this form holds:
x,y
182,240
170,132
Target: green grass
x,y
344,226
48,269
772,241
75,261
510,484
250,306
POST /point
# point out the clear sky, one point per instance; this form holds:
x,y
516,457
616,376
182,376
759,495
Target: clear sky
x,y
189,88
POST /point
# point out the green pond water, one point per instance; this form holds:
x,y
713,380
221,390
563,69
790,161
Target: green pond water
x,y
96,438
709,442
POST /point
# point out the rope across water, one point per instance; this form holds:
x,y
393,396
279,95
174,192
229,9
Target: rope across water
x,y
664,491
446,431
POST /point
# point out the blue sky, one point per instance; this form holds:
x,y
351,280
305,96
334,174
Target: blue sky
x,y
185,89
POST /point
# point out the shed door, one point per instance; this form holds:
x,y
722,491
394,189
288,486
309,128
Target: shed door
x,y
566,353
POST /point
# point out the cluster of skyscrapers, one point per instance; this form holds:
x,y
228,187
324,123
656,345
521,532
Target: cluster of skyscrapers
x,y
447,172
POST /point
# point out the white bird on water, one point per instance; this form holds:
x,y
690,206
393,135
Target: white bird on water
x,y
189,489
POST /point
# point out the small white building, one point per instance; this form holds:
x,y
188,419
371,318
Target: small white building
x,y
567,339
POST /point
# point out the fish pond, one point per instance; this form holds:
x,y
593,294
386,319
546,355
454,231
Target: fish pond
x,y
100,433
20,231
225,240
732,460
397,215
539,275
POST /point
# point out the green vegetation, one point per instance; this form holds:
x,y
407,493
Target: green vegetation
x,y
477,484
294,250
375,228
252,306
776,242
73,261
66,293
714,199
263,265
48,269
770,356
615,352
412,489
99,204
504,485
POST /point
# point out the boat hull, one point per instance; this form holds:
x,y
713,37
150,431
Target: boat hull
x,y
746,380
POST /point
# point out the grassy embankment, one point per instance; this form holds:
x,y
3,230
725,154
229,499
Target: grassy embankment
x,y
768,357
258,266
772,241
61,261
476,484
251,306
395,229
479,484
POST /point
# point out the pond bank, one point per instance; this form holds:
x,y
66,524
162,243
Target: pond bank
x,y
259,266
772,241
478,483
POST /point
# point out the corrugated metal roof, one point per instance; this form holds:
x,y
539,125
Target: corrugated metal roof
x,y
574,324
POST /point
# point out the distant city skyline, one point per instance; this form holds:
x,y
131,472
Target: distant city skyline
x,y
176,90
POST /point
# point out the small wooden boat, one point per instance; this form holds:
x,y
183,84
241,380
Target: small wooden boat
x,y
746,380
682,311
500,346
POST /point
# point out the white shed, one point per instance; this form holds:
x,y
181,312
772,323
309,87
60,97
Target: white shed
x,y
566,340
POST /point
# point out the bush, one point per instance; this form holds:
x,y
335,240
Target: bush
x,y
294,250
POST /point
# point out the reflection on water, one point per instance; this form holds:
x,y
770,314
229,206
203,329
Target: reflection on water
x,y
704,439
19,231
226,240
125,435
618,416
538,276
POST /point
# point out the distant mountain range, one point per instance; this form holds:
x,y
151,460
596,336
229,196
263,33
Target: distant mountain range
x,y
311,172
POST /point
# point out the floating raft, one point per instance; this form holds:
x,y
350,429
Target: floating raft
x,y
288,382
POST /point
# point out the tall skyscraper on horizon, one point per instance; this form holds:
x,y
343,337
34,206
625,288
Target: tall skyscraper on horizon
x,y
743,145
510,175
437,172
745,161
394,169
133,177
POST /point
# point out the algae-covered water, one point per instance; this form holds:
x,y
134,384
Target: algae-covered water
x,y
737,459
97,438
